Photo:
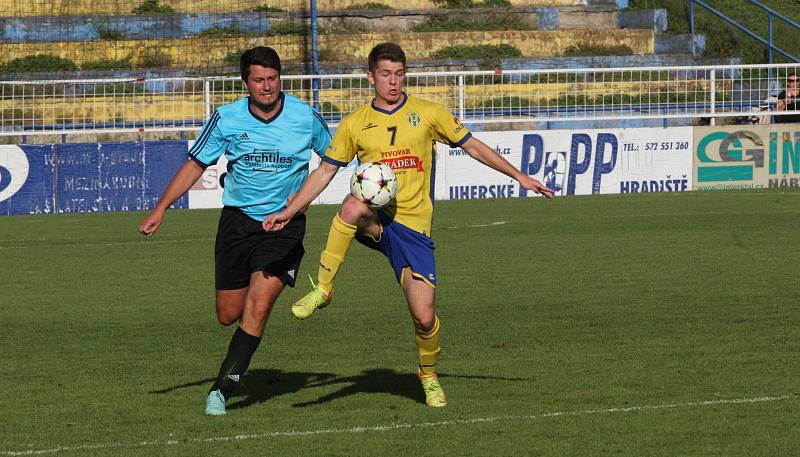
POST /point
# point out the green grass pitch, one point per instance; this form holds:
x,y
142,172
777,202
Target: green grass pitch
x,y
654,324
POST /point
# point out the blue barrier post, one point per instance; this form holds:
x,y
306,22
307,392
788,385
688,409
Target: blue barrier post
x,y
314,55
771,42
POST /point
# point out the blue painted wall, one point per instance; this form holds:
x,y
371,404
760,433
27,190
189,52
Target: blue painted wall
x,y
82,28
73,178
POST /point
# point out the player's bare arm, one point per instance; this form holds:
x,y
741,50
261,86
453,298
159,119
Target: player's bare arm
x,y
181,182
317,181
481,152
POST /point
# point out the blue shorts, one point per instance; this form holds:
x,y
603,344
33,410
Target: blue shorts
x,y
403,247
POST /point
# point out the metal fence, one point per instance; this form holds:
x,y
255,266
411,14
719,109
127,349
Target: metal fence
x,y
182,104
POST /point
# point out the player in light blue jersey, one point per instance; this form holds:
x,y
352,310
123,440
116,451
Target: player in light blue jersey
x,y
268,138
263,167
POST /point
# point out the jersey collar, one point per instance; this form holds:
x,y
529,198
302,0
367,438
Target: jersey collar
x,y
267,121
396,108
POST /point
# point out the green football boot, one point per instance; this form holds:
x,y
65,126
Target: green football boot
x,y
434,395
316,299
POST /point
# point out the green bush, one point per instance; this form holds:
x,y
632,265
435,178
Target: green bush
x,y
452,4
120,89
15,116
110,34
39,63
218,32
368,6
633,99
153,7
480,51
329,108
290,28
267,9
451,23
349,83
155,59
590,50
231,59
507,102
724,40
108,64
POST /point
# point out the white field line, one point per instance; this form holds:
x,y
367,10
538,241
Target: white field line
x,y
490,224
389,427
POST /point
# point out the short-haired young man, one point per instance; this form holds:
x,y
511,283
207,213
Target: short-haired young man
x,y
268,138
399,130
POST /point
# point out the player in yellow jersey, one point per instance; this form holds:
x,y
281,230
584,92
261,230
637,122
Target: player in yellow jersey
x,y
400,131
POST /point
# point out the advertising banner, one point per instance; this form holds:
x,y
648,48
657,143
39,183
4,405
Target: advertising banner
x,y
573,162
76,178
26,179
115,176
745,157
68,178
207,191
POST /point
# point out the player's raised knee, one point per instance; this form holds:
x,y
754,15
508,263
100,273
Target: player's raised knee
x,y
352,210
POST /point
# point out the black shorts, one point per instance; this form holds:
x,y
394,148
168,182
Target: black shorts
x,y
243,247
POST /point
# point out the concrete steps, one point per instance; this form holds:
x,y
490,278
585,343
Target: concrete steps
x,y
126,7
354,47
185,25
176,40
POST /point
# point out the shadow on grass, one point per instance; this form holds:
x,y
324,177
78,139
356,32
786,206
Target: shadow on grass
x,y
260,385
379,380
385,381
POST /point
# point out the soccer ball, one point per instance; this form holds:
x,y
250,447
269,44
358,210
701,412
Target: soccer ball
x,y
374,183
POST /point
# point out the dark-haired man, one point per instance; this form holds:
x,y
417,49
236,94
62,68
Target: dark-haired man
x,y
789,100
268,138
400,131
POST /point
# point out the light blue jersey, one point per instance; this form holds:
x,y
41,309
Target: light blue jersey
x,y
267,159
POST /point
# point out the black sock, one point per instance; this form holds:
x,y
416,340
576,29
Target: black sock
x,y
240,351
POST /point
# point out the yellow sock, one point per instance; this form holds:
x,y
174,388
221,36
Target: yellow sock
x,y
429,348
339,238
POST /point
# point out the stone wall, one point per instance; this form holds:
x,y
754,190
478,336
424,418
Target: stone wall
x,y
210,52
110,7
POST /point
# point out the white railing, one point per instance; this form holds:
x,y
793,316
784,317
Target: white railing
x,y
182,104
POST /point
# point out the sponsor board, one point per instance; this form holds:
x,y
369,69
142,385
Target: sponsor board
x,y
76,178
747,157
131,176
14,168
573,162
206,192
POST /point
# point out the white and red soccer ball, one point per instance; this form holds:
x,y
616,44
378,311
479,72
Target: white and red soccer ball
x,y
374,183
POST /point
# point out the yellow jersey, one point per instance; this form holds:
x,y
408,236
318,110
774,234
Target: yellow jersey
x,y
404,138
